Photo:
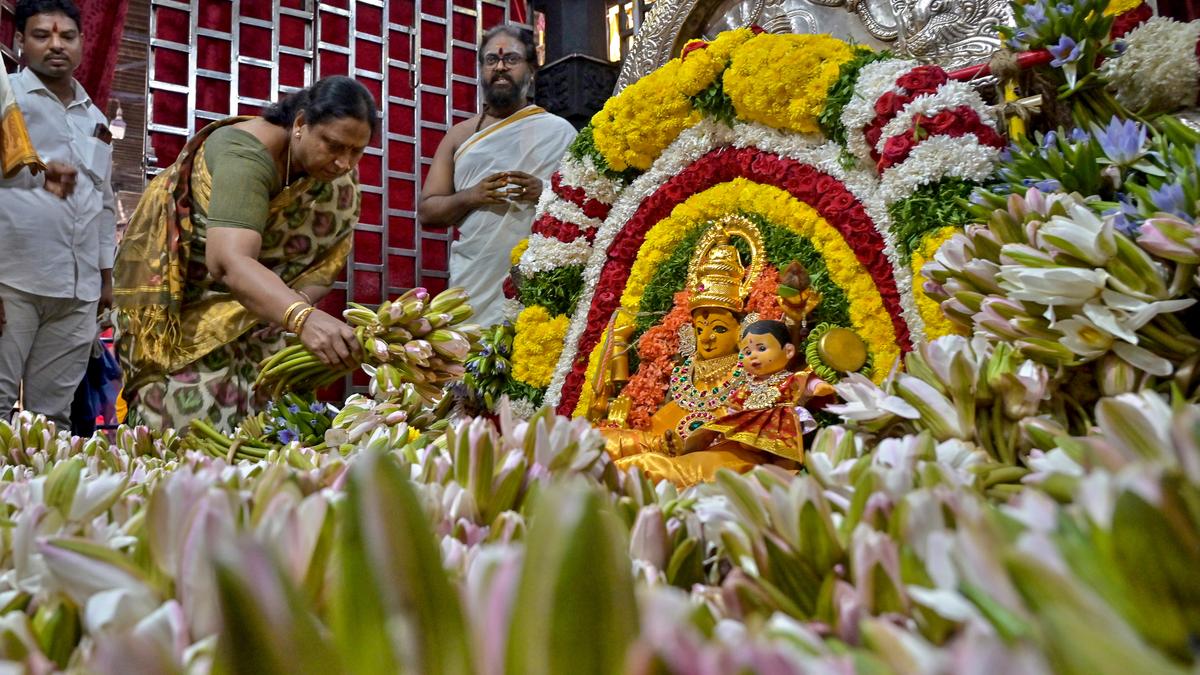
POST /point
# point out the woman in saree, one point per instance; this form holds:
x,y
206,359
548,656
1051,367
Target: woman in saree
x,y
233,244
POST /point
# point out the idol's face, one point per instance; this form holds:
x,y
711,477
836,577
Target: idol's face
x,y
763,355
330,149
716,332
52,45
504,71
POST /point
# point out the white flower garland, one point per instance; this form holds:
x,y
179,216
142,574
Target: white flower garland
x,y
510,309
947,97
547,253
582,174
874,80
936,158
1158,71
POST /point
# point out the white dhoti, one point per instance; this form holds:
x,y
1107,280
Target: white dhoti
x,y
530,140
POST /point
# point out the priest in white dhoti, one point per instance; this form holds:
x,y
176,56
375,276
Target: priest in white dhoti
x,y
490,170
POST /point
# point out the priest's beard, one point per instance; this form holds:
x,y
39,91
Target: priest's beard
x,y
504,97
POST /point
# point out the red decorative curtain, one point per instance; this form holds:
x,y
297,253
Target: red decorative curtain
x,y
103,24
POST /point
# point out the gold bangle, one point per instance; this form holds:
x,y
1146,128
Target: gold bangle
x,y
302,318
287,314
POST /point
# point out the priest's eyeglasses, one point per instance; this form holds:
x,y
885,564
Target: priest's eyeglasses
x,y
510,59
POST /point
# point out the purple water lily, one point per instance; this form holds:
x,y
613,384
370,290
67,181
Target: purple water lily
x,y
1079,135
1067,51
286,436
1170,198
1035,15
293,408
316,407
1123,141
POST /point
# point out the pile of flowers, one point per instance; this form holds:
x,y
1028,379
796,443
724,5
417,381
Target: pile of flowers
x,y
517,546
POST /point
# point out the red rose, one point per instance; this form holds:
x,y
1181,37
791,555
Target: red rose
x,y
835,202
1126,22
604,298
873,131
896,149
988,136
889,104
923,79
826,183
595,209
940,123
510,289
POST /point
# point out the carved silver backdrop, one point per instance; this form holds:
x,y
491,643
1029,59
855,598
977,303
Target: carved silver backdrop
x,y
950,32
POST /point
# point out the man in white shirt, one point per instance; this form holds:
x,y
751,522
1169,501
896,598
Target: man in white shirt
x,y
56,233
489,171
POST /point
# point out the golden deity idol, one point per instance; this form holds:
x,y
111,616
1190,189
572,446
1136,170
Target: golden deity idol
x,y
707,370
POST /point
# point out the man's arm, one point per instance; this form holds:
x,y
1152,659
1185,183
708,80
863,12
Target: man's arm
x,y
108,244
440,205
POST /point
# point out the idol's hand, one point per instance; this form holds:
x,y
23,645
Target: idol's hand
x,y
528,187
331,341
490,190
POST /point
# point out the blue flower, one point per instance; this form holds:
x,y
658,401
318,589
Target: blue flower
x,y
280,421
1050,139
501,367
473,367
1064,8
1066,51
1169,198
1035,15
286,436
486,351
1122,141
293,408
316,407
1119,46
1048,185
1079,135
1125,216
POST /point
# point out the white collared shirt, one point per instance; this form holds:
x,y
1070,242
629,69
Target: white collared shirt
x,y
50,246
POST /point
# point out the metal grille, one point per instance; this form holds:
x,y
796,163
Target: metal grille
x,y
213,58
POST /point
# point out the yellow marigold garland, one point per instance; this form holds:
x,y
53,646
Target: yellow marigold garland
x,y
936,323
783,80
868,317
634,127
514,256
537,345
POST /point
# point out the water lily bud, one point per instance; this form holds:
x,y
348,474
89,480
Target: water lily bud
x,y
1115,375
649,538
1042,431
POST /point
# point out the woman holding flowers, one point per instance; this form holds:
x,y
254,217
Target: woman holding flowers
x,y
233,243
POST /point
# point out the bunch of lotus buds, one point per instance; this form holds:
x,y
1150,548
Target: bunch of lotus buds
x,y
411,339
361,416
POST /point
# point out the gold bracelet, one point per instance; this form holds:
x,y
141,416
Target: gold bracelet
x,y
287,314
306,298
302,318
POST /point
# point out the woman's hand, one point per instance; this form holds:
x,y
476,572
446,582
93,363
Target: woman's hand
x,y
331,340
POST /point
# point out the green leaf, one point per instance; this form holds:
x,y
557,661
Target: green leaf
x,y
577,612
392,571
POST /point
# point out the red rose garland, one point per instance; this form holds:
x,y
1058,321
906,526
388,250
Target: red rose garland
x,y
823,192
956,122
592,208
549,226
